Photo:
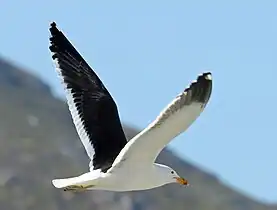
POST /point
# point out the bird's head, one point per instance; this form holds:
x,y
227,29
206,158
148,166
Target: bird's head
x,y
170,176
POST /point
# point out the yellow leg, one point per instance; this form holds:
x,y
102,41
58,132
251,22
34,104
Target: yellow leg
x,y
77,188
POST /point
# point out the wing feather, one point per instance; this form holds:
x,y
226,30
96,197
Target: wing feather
x,y
171,122
93,110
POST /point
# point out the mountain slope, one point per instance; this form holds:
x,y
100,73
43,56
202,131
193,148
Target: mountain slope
x,y
38,142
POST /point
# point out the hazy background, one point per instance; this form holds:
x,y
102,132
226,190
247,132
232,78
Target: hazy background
x,y
146,52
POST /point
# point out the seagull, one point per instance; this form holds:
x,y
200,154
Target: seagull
x,y
115,163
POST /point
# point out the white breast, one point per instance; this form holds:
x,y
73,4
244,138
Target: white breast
x,y
138,178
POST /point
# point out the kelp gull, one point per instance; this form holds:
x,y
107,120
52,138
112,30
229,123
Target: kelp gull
x,y
115,164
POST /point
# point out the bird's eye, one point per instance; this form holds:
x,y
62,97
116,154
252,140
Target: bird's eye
x,y
172,172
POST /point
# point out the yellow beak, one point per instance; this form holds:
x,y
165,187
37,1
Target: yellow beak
x,y
181,181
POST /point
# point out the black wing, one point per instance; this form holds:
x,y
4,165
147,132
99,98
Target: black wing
x,y
93,110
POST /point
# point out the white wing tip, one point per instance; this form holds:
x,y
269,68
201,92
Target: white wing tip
x,y
208,76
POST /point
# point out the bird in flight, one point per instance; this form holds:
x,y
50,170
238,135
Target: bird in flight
x,y
115,163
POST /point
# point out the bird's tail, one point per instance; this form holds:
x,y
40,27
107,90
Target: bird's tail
x,y
62,183
83,180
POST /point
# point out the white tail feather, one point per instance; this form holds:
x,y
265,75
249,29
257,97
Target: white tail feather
x,y
62,183
85,179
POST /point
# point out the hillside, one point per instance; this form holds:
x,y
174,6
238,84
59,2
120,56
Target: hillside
x,y
38,142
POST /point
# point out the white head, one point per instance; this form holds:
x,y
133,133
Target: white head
x,y
168,175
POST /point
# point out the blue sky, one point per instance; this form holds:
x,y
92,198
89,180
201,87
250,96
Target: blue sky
x,y
146,52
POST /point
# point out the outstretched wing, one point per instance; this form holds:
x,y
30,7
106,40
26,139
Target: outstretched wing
x,y
93,110
172,121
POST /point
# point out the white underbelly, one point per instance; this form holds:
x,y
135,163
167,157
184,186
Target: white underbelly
x,y
130,180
